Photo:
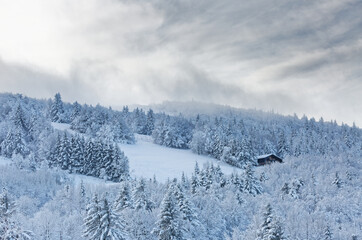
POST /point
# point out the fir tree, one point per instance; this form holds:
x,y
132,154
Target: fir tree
x,y
327,233
92,220
76,158
270,228
8,145
282,149
123,198
9,228
112,227
168,226
14,143
185,208
150,123
65,152
194,184
19,119
90,159
56,111
82,196
337,180
250,183
140,198
54,154
76,110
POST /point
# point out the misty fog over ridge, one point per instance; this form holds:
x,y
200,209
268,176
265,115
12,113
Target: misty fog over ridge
x,y
192,108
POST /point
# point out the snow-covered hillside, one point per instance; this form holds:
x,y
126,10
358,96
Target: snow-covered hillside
x,y
55,182
147,159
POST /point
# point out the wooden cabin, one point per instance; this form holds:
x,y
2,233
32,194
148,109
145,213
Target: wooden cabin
x,y
268,159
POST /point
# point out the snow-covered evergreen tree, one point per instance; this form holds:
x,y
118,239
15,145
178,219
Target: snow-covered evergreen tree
x,y
250,183
92,221
112,226
168,226
9,228
123,199
64,152
14,143
270,229
150,123
140,198
327,233
57,110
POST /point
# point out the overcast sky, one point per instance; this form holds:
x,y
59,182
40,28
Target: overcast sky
x,y
289,56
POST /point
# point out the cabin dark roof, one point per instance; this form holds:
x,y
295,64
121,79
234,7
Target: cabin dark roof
x,y
268,155
268,158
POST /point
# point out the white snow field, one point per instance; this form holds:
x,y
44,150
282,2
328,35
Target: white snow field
x,y
147,159
5,161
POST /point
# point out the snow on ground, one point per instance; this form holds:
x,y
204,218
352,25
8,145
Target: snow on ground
x,y
63,127
5,161
147,159
91,181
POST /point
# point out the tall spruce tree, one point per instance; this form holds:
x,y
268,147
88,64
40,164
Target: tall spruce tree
x,y
92,221
270,229
56,109
140,198
112,226
9,228
150,123
250,183
168,226
123,199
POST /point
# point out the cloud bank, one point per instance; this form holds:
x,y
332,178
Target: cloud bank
x,y
289,56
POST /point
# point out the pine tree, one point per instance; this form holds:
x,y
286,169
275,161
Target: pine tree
x,y
327,233
9,228
168,226
19,119
282,149
92,220
65,152
196,169
76,110
185,208
123,199
140,198
245,156
76,158
250,183
54,154
337,181
270,228
285,189
56,111
150,123
82,196
111,225
14,143
194,184
90,159
119,166
8,146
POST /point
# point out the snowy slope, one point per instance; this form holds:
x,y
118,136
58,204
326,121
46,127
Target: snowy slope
x,y
63,127
4,161
147,159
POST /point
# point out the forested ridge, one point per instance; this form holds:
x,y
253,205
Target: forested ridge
x,y
314,194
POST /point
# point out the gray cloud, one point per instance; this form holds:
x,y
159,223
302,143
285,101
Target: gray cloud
x,y
28,80
290,56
